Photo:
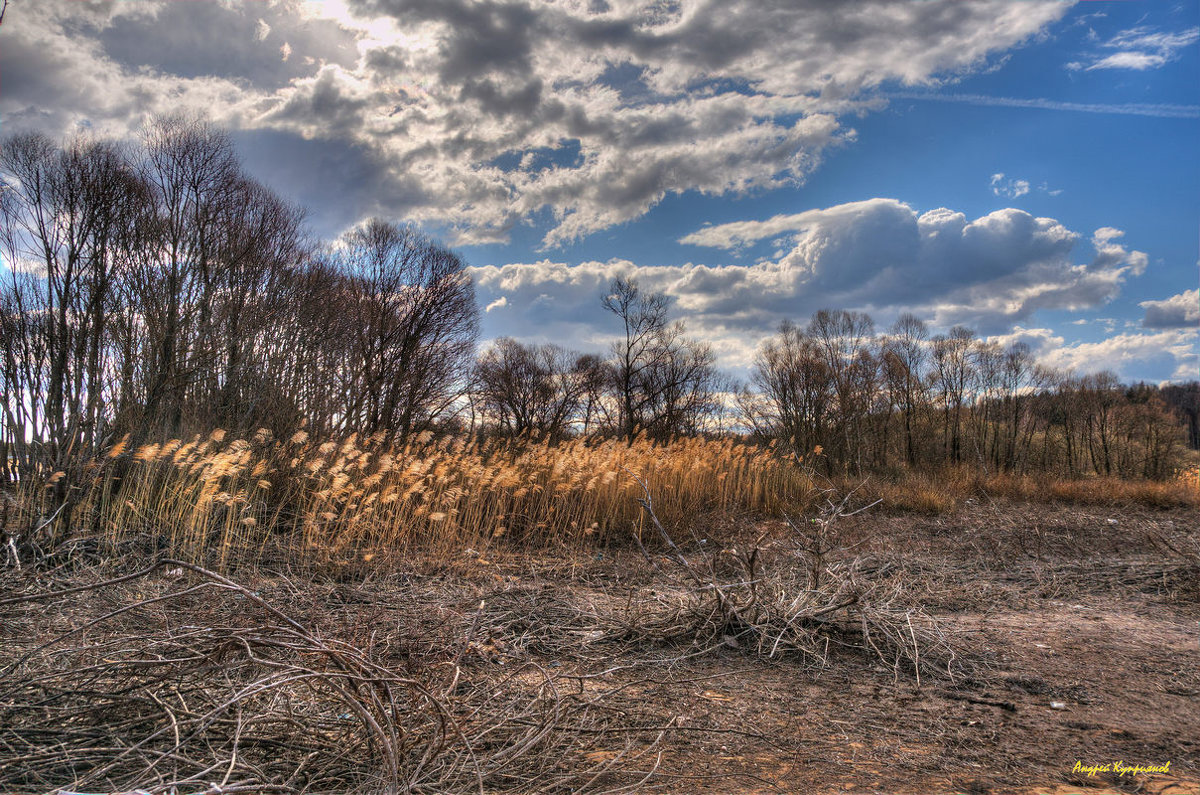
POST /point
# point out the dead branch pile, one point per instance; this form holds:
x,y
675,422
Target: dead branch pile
x,y
155,696
804,601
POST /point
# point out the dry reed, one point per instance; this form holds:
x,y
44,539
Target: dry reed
x,y
217,501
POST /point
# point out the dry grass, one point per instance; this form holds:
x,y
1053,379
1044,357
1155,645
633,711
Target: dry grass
x,y
943,493
217,501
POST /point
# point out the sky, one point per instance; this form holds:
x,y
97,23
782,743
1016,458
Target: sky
x,y
1027,168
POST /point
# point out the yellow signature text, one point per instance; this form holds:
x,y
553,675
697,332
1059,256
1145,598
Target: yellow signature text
x,y
1120,768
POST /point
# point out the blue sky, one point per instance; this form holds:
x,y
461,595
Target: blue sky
x,y
1025,167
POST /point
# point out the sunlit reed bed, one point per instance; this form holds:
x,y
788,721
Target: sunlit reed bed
x,y
218,499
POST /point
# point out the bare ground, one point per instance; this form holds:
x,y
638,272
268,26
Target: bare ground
x,y
1076,638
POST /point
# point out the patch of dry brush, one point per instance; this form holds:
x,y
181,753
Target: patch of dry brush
x,y
804,598
205,687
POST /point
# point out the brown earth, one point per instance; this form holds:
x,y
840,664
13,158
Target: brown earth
x,y
1076,635
1088,635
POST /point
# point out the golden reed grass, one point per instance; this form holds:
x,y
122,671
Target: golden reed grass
x,y
220,500
939,493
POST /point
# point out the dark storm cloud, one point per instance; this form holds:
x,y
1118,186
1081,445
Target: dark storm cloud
x,y
339,183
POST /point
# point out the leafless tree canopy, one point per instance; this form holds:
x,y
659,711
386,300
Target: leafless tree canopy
x,y
157,291
532,389
664,383
872,402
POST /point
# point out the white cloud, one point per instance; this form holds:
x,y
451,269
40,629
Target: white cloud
x,y
499,303
1131,355
1009,188
739,234
1141,48
623,102
109,66
1110,254
1138,61
1178,311
879,255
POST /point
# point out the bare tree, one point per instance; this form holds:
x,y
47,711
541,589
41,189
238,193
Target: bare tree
x,y
794,379
643,318
682,388
414,323
531,388
844,340
63,217
665,383
952,375
262,245
194,176
905,355
595,375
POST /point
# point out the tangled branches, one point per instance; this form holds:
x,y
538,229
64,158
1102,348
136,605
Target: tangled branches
x,y
156,695
800,601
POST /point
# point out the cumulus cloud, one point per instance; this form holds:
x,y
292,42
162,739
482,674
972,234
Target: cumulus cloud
x,y
1008,187
1140,48
109,66
1131,355
879,255
649,98
1178,311
991,272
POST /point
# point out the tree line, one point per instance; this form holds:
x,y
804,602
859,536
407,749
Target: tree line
x,y
905,397
862,400
154,290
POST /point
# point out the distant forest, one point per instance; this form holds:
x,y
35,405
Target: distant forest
x,y
154,291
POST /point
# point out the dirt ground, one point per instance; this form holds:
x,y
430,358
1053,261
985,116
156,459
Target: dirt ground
x,y
1076,635
1087,635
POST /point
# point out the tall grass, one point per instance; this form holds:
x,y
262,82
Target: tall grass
x,y
945,491
217,500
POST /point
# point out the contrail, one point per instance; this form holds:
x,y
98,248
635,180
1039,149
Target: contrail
x,y
1128,109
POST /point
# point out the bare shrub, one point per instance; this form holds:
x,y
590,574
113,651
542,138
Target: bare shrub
x,y
806,599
